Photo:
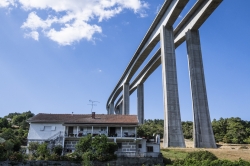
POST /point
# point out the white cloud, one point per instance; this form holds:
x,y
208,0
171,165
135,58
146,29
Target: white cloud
x,y
73,32
33,34
34,22
6,3
69,21
158,8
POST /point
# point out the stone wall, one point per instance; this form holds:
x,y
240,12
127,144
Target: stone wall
x,y
128,147
70,144
132,161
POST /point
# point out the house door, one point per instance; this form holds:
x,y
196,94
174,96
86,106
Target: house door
x,y
112,131
70,130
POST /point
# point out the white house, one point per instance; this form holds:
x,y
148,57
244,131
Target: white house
x,y
67,129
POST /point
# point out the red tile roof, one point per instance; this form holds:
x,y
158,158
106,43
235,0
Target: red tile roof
x,y
84,118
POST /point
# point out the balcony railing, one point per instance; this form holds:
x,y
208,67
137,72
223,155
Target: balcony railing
x,y
80,135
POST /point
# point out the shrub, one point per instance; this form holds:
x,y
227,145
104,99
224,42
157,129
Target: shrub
x,y
42,151
73,156
112,147
33,146
99,148
58,150
193,162
167,161
54,157
83,145
2,153
243,147
16,156
87,158
201,155
8,146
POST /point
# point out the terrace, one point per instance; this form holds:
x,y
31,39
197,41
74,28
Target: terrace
x,y
111,132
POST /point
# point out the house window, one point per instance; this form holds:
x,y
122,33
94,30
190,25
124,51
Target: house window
x,y
53,128
119,145
150,149
47,128
139,145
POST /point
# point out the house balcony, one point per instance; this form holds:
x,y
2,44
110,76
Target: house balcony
x,y
113,133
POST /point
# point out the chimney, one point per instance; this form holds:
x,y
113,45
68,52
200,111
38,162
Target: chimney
x,y
93,115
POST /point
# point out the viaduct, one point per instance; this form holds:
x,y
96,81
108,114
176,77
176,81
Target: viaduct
x,y
161,30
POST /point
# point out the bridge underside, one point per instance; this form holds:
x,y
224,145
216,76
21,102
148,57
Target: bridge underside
x,y
162,31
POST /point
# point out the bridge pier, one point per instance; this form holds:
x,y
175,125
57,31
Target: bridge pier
x,y
120,108
111,108
173,135
203,132
125,108
140,103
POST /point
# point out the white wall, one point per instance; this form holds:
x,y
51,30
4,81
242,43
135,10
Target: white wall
x,y
156,147
35,131
143,143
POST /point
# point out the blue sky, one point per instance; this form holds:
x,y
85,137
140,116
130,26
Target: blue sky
x,y
56,56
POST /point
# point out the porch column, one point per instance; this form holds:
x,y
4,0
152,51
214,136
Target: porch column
x,y
125,108
121,131
107,131
173,135
92,131
202,131
77,130
140,103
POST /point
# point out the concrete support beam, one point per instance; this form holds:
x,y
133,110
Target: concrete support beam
x,y
173,135
120,108
125,109
140,103
111,108
203,133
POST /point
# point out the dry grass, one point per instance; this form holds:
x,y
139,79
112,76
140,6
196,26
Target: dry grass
x,y
225,151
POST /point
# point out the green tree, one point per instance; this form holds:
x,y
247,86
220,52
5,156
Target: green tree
x,y
58,150
220,129
150,128
7,134
33,146
4,123
97,148
100,147
8,146
84,145
2,152
43,151
187,128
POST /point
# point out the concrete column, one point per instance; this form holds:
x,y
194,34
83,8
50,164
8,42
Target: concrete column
x,y
92,131
125,109
203,133
121,132
111,109
140,103
135,133
173,135
120,108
